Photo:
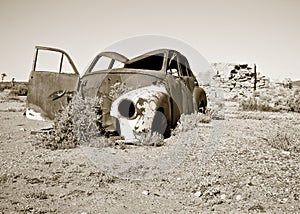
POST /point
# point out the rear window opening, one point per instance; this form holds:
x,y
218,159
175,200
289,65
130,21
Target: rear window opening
x,y
153,62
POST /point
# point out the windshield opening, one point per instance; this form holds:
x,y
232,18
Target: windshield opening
x,y
105,63
152,62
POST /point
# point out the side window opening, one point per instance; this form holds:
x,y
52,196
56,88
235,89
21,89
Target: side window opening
x,y
52,61
183,66
173,65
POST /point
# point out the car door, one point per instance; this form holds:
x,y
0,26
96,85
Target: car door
x,y
179,92
52,82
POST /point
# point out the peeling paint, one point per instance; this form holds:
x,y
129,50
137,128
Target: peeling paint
x,y
146,100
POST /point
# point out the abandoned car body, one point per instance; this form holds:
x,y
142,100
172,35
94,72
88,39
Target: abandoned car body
x,y
146,93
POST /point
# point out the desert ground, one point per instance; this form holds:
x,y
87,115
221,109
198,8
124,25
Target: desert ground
x,y
245,162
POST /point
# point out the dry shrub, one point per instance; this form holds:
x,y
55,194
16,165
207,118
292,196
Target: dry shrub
x,y
190,121
273,99
151,139
216,112
77,124
255,104
87,115
119,89
63,134
286,141
19,90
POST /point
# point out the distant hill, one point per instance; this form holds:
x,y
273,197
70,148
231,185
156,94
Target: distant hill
x,y
296,83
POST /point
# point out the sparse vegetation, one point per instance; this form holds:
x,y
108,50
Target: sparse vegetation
x,y
63,134
273,99
286,141
151,139
118,89
243,174
3,75
191,121
76,124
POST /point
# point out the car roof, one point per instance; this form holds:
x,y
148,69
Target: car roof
x,y
114,55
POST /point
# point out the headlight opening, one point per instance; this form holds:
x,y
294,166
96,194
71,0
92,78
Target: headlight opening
x,y
127,108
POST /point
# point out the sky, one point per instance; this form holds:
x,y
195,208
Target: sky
x,y
264,32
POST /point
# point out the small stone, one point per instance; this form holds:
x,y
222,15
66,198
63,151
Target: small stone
x,y
287,153
223,196
284,200
198,194
145,192
238,197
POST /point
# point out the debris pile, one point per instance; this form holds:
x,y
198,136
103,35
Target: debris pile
x,y
237,76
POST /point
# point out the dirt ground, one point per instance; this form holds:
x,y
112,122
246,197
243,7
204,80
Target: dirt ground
x,y
227,165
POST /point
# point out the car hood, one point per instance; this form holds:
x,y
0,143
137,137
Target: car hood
x,y
103,82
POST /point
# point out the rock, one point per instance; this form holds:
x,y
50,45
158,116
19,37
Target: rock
x,y
238,197
145,192
198,194
283,201
223,196
286,153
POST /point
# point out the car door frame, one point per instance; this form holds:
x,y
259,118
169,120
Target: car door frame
x,y
50,91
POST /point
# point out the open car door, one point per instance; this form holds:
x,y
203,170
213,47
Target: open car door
x,y
52,83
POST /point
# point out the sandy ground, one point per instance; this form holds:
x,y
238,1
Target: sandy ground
x,y
227,165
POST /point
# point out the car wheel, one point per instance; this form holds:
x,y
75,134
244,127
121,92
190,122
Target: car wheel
x,y
160,124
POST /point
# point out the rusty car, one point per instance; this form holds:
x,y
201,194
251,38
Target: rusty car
x,y
156,89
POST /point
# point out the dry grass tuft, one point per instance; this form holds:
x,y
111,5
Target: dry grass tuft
x,y
190,121
286,141
151,139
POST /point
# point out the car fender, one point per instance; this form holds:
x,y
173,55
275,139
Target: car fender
x,y
147,101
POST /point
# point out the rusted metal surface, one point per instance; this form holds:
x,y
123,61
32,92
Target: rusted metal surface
x,y
158,82
146,93
48,91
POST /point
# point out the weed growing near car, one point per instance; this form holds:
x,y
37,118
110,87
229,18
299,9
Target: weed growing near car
x,y
63,135
74,125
